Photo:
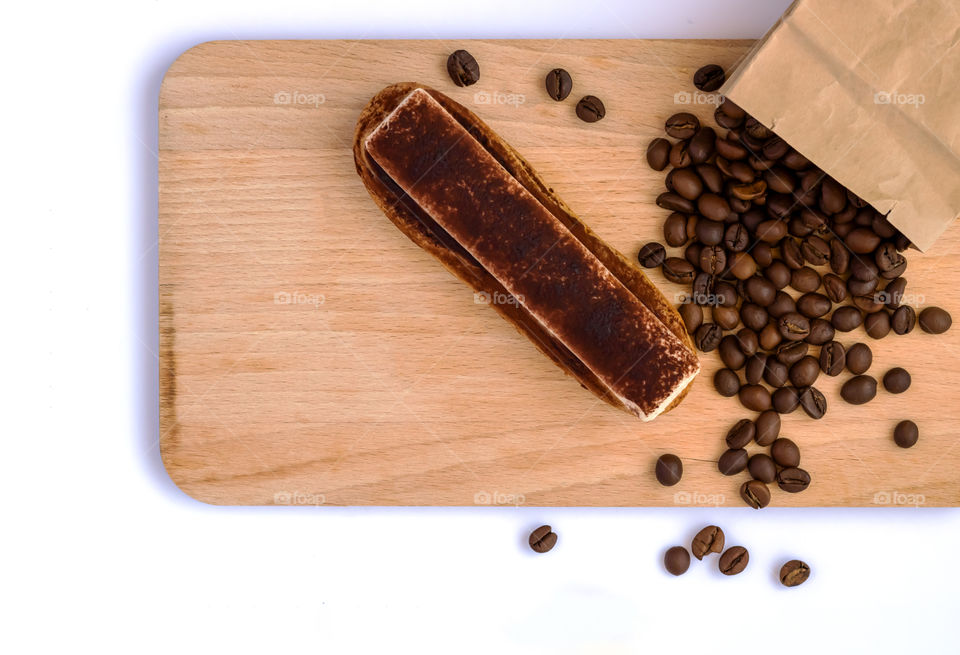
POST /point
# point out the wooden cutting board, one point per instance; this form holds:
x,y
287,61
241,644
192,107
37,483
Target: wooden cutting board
x,y
311,354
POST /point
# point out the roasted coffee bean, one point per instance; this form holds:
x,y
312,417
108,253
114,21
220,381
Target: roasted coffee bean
x,y
859,288
794,573
707,337
785,400
714,207
862,268
833,197
793,326
835,288
896,380
767,427
711,176
760,291
749,190
728,153
755,368
771,231
893,293
682,125
463,68
559,84
839,257
762,253
906,434
658,154
669,470
805,279
776,373
770,337
859,358
692,254
813,305
790,252
726,317
755,493
792,352
736,238
709,232
702,289
846,318
859,389
675,203
652,255
762,467
904,319
726,382
590,109
832,358
678,270
730,353
543,539
732,461
813,402
934,320
753,316
742,433
779,274
779,206
821,331
887,258
775,148
785,453
702,145
742,265
709,78
782,305
686,183
816,222
725,293
795,161
676,560
862,240
815,250
692,316
877,324
734,560
752,219
793,480
756,129
748,342
675,230
754,397
713,259
709,540
805,372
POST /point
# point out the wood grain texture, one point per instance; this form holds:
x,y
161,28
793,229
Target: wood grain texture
x,y
310,353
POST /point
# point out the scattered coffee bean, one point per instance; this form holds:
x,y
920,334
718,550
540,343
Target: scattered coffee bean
x,y
877,324
767,427
846,318
805,372
709,540
832,358
793,326
463,68
559,84
676,560
543,539
934,320
785,453
794,573
859,389
741,433
652,255
734,560
754,397
786,400
896,380
732,461
859,358
590,109
692,316
904,319
709,78
755,493
813,402
682,126
762,467
669,470
906,434
708,336
793,480
726,382
678,270
658,154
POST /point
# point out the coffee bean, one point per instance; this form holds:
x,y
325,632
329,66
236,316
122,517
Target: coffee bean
x,y
934,320
832,358
815,250
732,461
906,434
762,467
713,259
794,573
791,254
893,293
748,342
887,258
857,287
805,372
756,366
754,316
734,560
760,290
730,353
846,318
742,433
805,279
785,453
669,470
821,331
755,493
863,269
726,317
658,154
896,380
590,109
702,145
709,78
813,305
776,373
707,337
692,316
793,326
675,203
682,125
782,305
859,389
708,540
877,324
754,397
859,358
559,84
869,304
652,255
791,352
793,480
678,270
835,288
676,560
770,337
813,402
779,274
726,382
715,208
771,232
862,240
767,427
785,400
726,294
686,183
904,319
463,68
839,257
543,539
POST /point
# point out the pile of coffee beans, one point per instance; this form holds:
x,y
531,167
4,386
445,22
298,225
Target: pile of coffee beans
x,y
779,258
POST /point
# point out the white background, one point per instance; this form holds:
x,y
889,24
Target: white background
x,y
102,552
